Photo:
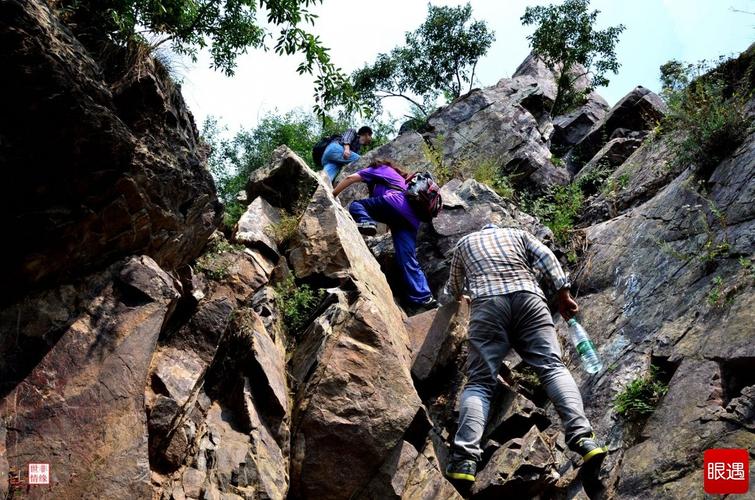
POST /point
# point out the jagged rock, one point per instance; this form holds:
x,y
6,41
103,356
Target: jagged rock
x,y
512,415
640,109
492,125
254,227
572,127
85,399
521,468
605,161
646,171
534,66
4,467
271,462
409,474
82,163
650,279
507,124
436,337
287,182
358,400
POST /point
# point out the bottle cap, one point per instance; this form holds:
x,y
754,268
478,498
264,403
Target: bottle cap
x,y
571,321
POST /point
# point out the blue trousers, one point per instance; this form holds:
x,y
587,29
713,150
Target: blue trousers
x,y
377,209
333,160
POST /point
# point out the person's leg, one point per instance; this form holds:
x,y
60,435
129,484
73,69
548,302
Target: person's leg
x,y
405,244
374,209
488,344
535,340
332,160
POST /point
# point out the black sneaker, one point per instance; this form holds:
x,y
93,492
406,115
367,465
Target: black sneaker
x,y
420,307
367,228
461,469
589,449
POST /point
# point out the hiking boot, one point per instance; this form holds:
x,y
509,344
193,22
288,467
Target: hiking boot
x,y
589,449
367,228
420,307
462,469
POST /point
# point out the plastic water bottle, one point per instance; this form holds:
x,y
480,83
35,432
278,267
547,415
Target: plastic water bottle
x,y
584,346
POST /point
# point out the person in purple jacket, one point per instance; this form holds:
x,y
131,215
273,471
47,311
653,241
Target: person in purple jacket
x,y
388,204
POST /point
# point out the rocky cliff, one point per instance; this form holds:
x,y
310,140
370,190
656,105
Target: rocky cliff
x,y
144,356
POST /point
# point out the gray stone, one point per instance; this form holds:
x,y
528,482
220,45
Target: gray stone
x,y
254,228
640,109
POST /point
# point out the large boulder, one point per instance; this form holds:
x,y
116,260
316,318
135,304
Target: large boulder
x,y
354,395
96,171
287,182
640,109
521,468
408,474
572,127
81,408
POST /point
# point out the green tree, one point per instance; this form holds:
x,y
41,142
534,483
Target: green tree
x,y
439,57
233,159
227,27
565,37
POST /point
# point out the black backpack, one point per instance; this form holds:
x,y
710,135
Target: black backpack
x,y
424,196
319,149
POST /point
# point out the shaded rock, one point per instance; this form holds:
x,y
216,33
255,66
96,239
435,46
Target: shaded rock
x,y
640,109
82,163
85,399
254,227
270,461
409,474
523,467
436,338
287,182
572,127
605,161
4,467
512,416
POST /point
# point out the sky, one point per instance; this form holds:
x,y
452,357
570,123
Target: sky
x,y
656,31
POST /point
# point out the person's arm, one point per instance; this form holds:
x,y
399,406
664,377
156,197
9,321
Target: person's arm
x,y
541,258
455,285
346,140
348,181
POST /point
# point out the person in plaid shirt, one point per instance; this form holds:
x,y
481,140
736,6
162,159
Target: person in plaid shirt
x,y
497,267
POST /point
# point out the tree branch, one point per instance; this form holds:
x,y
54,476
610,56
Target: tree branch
x,y
391,94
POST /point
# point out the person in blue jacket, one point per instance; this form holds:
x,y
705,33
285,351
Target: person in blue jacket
x,y
344,150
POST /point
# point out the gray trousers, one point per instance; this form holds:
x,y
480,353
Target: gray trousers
x,y
520,320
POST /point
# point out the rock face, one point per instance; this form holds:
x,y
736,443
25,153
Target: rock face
x,y
85,398
638,110
97,170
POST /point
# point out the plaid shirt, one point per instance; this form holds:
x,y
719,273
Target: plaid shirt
x,y
351,138
499,261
